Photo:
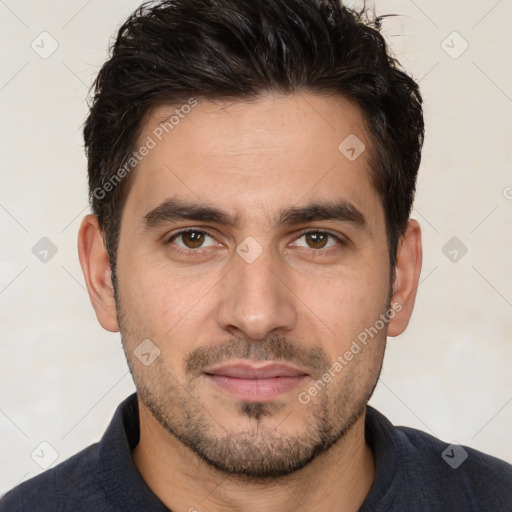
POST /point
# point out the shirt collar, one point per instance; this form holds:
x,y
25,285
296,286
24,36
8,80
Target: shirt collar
x,y
380,436
123,485
125,488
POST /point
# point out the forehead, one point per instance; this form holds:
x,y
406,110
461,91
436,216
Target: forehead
x,y
255,157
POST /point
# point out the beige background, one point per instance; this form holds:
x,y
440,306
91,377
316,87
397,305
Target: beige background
x,y
61,375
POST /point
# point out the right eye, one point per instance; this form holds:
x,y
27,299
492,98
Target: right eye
x,y
191,240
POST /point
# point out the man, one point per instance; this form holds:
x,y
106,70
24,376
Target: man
x,y
252,167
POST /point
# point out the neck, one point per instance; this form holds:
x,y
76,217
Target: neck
x,y
338,479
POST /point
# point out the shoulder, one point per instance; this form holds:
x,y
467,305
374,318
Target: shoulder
x,y
71,485
456,474
430,474
453,455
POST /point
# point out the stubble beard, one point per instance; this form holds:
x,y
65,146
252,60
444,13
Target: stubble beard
x,y
261,452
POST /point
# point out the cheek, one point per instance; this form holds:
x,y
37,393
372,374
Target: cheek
x,y
159,301
348,300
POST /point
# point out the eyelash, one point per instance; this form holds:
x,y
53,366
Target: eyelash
x,y
317,252
188,252
342,242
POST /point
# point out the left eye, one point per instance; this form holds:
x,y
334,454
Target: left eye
x,y
317,240
192,239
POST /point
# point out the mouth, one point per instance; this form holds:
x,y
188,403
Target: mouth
x,y
256,383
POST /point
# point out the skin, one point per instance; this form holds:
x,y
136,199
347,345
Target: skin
x,y
302,301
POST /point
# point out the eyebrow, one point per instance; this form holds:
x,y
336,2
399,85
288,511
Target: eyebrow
x,y
173,209
338,211
177,209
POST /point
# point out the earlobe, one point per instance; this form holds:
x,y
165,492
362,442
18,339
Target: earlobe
x,y
96,268
407,274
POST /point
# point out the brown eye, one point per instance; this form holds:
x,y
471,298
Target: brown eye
x,y
316,239
192,239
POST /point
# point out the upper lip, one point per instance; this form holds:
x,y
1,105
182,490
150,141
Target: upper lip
x,y
251,371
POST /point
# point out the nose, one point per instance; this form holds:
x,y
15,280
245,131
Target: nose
x,y
256,300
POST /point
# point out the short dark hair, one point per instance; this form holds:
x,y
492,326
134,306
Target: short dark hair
x,y
175,50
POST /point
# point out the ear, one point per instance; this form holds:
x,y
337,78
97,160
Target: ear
x,y
407,274
96,268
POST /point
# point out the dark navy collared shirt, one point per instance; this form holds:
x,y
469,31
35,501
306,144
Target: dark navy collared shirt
x,y
415,472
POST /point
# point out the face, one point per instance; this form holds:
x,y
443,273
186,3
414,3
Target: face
x,y
252,256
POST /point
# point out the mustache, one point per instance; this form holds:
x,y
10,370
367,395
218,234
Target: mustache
x,y
272,348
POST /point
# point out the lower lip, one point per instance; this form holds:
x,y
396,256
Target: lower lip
x,y
256,390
